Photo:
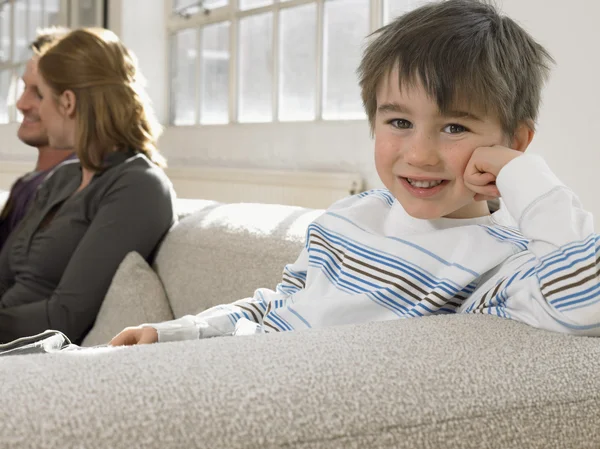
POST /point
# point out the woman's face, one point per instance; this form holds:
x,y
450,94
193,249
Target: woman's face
x,y
57,114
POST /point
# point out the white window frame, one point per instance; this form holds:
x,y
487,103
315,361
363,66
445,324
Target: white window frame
x,y
68,16
230,13
73,17
13,66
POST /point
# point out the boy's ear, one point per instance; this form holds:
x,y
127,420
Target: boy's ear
x,y
522,137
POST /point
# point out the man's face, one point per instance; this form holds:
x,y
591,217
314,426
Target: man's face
x,y
32,131
421,154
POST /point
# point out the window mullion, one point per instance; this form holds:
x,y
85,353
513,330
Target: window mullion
x,y
168,106
376,15
12,53
198,83
275,65
319,55
233,62
175,24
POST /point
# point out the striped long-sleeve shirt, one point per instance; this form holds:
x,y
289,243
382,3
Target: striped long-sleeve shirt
x,y
534,260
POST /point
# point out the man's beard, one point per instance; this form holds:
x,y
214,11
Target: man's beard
x,y
39,140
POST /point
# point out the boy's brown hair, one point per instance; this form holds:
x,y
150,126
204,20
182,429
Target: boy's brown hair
x,y
466,54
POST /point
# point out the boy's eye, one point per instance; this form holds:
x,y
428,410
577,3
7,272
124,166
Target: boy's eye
x,y
455,129
400,123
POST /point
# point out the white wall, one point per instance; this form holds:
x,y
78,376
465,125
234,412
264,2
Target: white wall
x,y
567,137
567,129
142,29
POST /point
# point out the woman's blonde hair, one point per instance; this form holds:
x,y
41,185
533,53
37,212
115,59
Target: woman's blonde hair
x,y
112,108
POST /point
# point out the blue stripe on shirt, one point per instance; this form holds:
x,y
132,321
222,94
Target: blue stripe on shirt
x,y
413,245
388,260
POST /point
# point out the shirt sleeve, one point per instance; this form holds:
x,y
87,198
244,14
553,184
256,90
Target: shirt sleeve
x,y
226,319
133,215
559,288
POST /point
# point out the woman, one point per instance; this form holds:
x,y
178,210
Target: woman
x,y
56,268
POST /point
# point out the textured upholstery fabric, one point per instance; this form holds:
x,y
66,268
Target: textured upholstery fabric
x,y
469,381
223,252
451,382
135,296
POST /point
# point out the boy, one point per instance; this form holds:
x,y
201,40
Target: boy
x,y
452,92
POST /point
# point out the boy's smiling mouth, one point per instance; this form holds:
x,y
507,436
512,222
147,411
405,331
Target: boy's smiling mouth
x,y
422,187
424,184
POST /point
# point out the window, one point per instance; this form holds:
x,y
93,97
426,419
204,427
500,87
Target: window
x,y
19,20
395,8
253,61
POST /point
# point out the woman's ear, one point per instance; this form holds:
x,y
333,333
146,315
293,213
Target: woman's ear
x,y
68,102
522,137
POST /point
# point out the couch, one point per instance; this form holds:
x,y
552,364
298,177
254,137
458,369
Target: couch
x,y
463,381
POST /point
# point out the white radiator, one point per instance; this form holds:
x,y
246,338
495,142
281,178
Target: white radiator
x,y
232,185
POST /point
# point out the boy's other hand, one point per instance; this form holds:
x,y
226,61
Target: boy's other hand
x,y
483,169
135,336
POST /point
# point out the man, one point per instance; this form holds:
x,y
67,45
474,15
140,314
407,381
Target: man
x,y
32,132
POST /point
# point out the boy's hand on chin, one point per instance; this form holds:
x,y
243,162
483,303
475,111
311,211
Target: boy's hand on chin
x,y
483,169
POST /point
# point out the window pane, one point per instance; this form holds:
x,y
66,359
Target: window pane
x,y
51,12
5,31
36,19
4,88
21,35
214,77
346,26
255,73
298,60
395,8
183,77
249,4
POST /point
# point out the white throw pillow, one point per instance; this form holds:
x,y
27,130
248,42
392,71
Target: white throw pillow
x,y
135,296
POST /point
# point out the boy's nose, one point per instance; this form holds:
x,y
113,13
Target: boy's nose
x,y
422,152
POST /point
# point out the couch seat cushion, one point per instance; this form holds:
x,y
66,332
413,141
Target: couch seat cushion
x,y
462,381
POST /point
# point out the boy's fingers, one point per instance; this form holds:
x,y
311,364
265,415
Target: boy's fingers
x,y
487,192
480,179
125,338
119,340
149,335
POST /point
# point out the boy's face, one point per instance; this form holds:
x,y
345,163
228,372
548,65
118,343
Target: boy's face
x,y
421,154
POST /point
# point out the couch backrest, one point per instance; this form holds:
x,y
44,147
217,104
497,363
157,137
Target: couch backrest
x,y
223,252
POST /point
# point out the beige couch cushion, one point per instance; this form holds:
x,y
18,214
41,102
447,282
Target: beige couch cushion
x,y
135,296
447,382
223,252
